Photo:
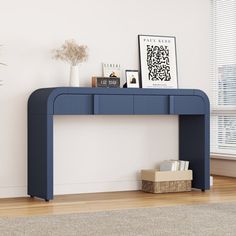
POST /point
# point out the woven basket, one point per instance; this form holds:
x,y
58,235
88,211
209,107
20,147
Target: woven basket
x,y
166,186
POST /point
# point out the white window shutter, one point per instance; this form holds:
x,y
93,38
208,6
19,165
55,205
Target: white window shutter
x,y
223,73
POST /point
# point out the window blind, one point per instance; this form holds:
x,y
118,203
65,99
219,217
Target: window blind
x,y
223,73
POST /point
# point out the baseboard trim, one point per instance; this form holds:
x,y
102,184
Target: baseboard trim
x,y
97,187
13,191
75,188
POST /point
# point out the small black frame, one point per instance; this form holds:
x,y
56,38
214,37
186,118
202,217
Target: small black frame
x,y
139,80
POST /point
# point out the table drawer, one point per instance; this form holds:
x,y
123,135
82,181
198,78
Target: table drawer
x,y
70,104
113,104
187,105
151,105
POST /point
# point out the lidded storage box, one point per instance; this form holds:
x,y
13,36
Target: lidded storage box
x,y
154,181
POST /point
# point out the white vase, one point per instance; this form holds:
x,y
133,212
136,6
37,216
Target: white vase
x,y
74,76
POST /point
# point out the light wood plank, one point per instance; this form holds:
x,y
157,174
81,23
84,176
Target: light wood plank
x,y
224,190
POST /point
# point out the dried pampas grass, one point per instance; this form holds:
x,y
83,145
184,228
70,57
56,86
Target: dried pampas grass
x,y
71,52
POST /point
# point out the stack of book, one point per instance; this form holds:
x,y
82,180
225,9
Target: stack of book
x,y
174,165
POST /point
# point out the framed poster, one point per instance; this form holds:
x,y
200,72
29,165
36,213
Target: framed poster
x,y
132,78
158,61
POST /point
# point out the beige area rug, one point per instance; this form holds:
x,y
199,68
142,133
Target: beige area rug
x,y
209,219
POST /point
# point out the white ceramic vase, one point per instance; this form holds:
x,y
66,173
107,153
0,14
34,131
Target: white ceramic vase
x,y
74,76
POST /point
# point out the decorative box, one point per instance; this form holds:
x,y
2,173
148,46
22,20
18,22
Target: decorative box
x,y
154,181
106,82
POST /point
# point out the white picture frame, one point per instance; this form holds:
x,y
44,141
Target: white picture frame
x,y
111,70
132,78
158,61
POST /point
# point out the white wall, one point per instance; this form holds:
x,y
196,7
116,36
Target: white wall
x,y
92,153
223,166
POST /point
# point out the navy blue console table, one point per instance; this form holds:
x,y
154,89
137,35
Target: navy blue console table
x,y
192,106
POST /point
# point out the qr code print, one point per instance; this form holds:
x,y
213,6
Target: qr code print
x,y
158,63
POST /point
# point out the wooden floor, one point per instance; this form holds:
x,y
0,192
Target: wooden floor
x,y
224,190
